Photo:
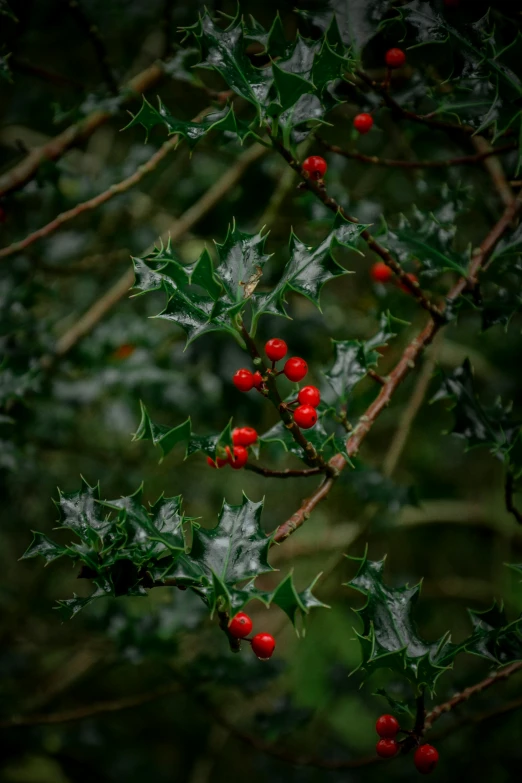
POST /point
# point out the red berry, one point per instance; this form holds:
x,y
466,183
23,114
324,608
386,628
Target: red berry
x,y
387,748
275,349
263,645
240,625
258,380
363,123
239,459
315,166
395,58
243,380
387,726
295,369
381,273
124,351
305,416
413,278
244,436
309,395
426,758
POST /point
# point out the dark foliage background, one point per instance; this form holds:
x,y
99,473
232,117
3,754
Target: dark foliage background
x,y
440,516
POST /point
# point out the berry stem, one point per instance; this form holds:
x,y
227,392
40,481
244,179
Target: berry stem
x,y
224,619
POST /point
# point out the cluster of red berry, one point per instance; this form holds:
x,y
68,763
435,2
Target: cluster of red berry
x,y
425,757
295,369
263,644
381,273
242,438
363,122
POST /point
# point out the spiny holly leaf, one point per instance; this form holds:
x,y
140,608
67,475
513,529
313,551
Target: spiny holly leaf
x,y
399,707
389,638
317,436
241,263
515,567
192,132
274,41
197,314
237,548
353,358
44,547
162,269
354,22
308,269
492,426
168,437
494,638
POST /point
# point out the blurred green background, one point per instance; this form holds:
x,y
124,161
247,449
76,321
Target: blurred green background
x,y
161,668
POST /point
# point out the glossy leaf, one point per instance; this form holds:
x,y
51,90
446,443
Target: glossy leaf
x,y
356,22
494,638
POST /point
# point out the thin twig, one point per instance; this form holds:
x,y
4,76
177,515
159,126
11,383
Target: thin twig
x,y
494,168
101,198
319,190
509,491
466,160
288,473
92,32
24,171
464,695
410,412
189,218
400,371
376,377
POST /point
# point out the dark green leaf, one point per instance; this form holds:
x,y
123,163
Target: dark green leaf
x,y
44,547
494,638
356,21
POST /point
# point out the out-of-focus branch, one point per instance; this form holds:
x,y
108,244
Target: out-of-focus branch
x,y
212,197
494,168
20,174
288,473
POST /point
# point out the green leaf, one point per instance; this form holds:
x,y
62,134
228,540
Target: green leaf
x,y
494,638
356,22
492,426
197,315
5,71
241,263
308,269
294,604
317,436
168,437
399,707
192,132
44,547
389,638
353,358
237,548
163,270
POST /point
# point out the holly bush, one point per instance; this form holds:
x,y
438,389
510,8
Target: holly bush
x,y
261,284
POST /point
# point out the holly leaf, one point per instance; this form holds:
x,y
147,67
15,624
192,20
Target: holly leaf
x,y
389,638
308,269
317,436
163,270
353,22
148,117
494,638
398,706
197,314
492,426
42,546
353,358
168,437
241,262
296,605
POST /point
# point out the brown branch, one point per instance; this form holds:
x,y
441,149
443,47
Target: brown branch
x,y
464,695
87,711
92,32
189,218
319,190
376,377
24,171
466,160
509,491
101,198
311,455
400,371
495,170
288,473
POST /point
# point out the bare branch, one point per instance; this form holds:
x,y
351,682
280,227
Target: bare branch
x,y
465,160
288,473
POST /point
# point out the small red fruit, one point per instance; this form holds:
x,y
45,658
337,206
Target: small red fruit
x,y
244,436
243,380
380,273
395,58
240,625
263,645
124,351
315,166
305,416
309,395
275,349
295,369
387,748
413,278
363,123
426,758
387,726
239,459
258,380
